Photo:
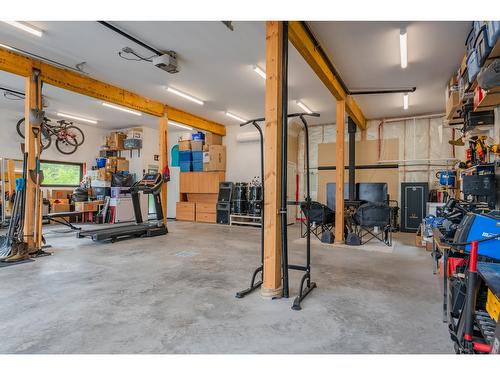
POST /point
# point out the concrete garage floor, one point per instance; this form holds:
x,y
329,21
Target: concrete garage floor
x,y
175,294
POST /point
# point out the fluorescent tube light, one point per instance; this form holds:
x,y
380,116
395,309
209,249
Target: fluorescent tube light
x,y
60,114
26,27
185,96
403,47
182,126
259,71
405,101
303,106
137,113
232,115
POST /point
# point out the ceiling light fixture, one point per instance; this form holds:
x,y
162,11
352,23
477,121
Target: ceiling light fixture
x,y
60,114
405,101
26,27
185,96
403,47
259,71
137,113
179,125
232,115
303,106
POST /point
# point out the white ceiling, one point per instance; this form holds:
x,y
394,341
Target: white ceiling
x,y
366,54
216,63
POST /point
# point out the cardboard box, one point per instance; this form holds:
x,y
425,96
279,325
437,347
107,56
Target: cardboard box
x,y
103,174
463,66
186,211
58,201
214,159
212,139
184,145
134,133
115,140
60,193
452,104
122,165
87,206
60,207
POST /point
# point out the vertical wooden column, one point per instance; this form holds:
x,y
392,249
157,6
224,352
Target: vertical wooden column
x,y
11,176
32,101
339,181
272,286
163,161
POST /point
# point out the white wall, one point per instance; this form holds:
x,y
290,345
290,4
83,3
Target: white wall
x,y
242,158
10,142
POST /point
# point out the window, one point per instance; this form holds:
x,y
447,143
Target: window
x,y
61,173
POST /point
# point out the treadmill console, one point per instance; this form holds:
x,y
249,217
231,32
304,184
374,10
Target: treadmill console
x,y
149,183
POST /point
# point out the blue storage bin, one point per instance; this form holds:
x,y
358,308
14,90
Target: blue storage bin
x,y
197,155
198,136
100,162
472,66
198,166
471,38
185,156
185,166
493,31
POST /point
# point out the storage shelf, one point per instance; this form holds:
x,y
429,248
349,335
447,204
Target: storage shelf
x,y
255,221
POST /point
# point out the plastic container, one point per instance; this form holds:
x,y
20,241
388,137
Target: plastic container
x,y
100,162
446,178
197,145
132,143
185,156
482,46
471,37
198,136
186,136
198,166
197,156
185,166
493,32
472,66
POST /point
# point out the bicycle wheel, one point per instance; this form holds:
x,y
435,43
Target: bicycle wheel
x,y
74,135
65,147
46,139
20,127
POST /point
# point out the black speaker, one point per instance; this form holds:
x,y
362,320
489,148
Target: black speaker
x,y
225,192
223,212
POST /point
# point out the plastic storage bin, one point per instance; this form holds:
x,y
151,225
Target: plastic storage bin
x,y
482,46
198,136
100,162
198,156
469,41
185,166
198,166
472,66
185,156
493,31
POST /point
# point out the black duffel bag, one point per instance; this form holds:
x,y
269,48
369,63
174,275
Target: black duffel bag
x,y
121,180
80,194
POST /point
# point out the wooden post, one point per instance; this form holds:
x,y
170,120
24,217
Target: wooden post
x,y
272,286
11,177
163,152
32,101
339,181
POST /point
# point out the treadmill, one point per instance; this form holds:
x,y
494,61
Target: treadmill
x,y
149,184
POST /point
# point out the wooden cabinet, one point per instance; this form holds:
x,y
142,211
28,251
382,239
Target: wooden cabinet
x,y
201,182
206,212
186,211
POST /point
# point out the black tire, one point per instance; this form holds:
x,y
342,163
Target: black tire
x,y
20,128
60,143
79,136
46,139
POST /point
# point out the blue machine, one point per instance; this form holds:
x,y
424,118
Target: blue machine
x,y
477,227
446,178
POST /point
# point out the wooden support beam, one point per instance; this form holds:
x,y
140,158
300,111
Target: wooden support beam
x,y
306,46
21,65
32,101
272,286
163,162
11,177
178,115
339,180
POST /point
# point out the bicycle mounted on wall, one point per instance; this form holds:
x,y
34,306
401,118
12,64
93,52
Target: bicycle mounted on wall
x,y
68,136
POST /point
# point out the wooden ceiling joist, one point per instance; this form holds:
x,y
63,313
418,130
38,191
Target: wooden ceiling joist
x,y
302,41
18,64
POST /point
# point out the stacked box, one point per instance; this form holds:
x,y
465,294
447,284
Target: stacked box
x,y
185,166
185,156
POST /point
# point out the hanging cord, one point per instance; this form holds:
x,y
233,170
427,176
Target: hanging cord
x,y
132,52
